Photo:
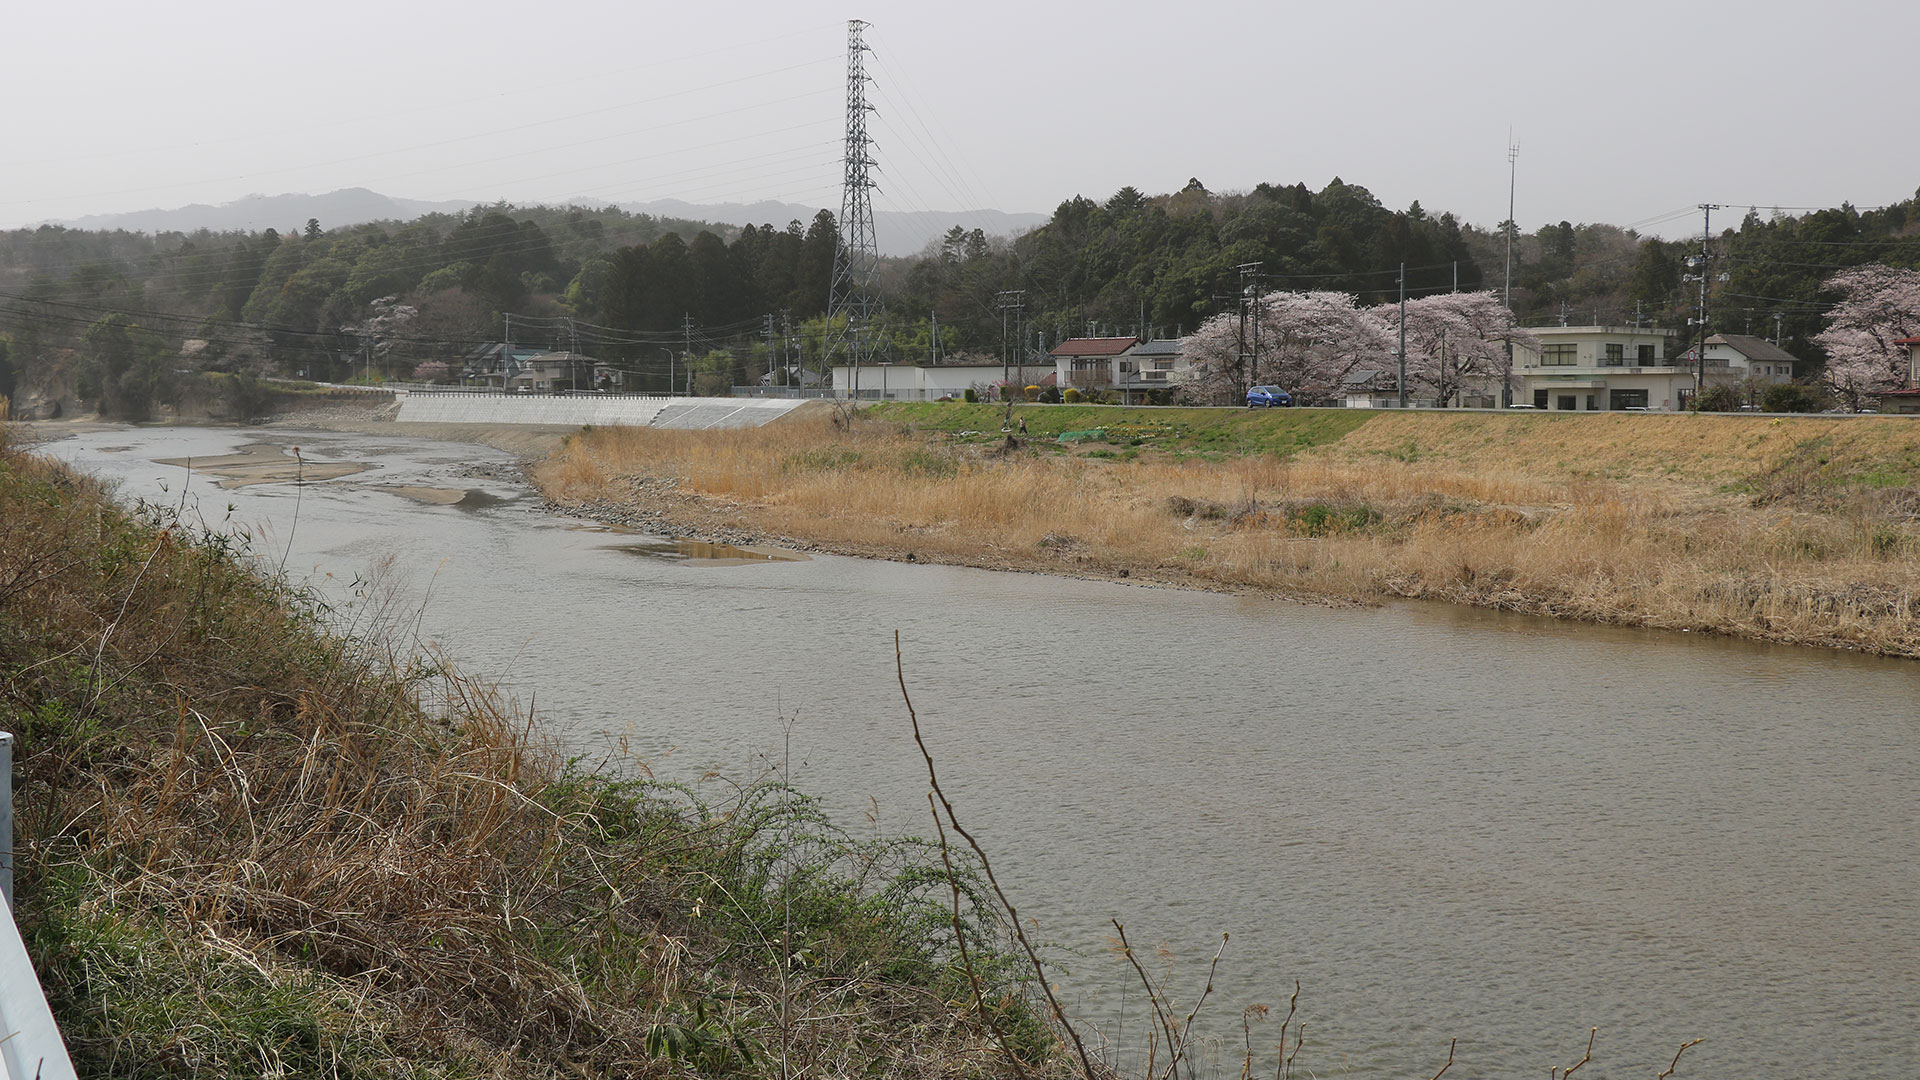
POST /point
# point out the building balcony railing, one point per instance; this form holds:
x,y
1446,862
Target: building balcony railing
x,y
1622,367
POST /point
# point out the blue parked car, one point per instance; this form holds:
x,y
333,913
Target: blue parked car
x,y
1267,397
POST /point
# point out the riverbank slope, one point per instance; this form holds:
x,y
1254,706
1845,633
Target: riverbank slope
x,y
248,845
1790,529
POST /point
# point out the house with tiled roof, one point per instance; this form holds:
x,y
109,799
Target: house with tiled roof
x,y
494,363
1749,357
1091,364
1149,371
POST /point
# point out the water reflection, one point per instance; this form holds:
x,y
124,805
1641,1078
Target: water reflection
x,y
708,553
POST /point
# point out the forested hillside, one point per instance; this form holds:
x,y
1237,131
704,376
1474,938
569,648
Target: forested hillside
x,y
118,320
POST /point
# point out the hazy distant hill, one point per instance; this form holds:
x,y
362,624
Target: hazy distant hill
x,y
287,213
898,233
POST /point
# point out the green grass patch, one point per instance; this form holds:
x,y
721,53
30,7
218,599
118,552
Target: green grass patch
x,y
1201,432
1324,519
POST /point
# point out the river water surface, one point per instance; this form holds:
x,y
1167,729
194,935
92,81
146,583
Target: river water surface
x,y
1442,822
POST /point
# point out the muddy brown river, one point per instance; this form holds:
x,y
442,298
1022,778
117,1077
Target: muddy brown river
x,y
1444,823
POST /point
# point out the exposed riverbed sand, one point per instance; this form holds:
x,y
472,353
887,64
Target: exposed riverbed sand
x,y
266,463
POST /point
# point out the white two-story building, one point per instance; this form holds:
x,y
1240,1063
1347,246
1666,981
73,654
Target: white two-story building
x,y
1597,368
1745,358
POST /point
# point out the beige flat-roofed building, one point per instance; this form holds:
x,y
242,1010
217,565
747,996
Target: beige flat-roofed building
x,y
1601,368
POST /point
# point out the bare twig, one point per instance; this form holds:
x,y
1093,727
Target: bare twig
x,y
1246,1029
299,488
1293,1003
1449,1064
1186,1028
1684,1047
1562,1074
986,867
966,958
1153,993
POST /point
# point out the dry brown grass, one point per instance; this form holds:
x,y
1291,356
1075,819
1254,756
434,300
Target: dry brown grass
x,y
250,846
1801,531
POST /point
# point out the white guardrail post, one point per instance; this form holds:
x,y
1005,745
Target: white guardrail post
x,y
30,1043
6,818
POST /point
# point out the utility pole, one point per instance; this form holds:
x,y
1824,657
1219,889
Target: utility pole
x,y
1012,301
573,354
1513,172
1250,301
686,356
1403,335
766,335
933,335
851,301
786,351
1704,260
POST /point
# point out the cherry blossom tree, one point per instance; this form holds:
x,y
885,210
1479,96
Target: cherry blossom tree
x,y
1308,342
1878,306
387,319
1454,339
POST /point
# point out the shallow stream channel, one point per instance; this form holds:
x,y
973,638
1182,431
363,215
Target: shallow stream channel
x,y
1442,822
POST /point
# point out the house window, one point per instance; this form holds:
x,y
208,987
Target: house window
x,y
1616,355
1626,399
1539,399
1126,365
1646,355
1558,355
1163,365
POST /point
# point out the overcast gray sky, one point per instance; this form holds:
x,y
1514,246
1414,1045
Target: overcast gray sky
x,y
1628,113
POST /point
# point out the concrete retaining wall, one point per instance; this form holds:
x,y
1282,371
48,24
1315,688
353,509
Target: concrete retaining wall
x,y
584,410
529,409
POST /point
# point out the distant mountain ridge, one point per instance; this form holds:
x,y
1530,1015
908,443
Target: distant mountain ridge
x,y
895,232
290,212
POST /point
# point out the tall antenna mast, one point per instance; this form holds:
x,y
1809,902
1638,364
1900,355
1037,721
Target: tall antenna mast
x,y
1513,172
851,304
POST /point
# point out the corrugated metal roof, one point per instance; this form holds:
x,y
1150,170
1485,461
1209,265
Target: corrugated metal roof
x,y
1157,347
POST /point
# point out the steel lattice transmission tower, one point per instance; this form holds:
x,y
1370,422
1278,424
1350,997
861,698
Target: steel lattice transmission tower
x,y
852,306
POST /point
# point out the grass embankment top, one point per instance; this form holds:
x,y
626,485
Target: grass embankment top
x,y
1793,529
248,846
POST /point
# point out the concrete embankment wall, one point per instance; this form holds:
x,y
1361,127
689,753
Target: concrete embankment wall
x,y
584,410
